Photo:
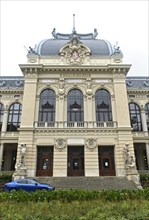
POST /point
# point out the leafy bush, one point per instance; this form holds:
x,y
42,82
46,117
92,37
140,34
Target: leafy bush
x,y
5,177
144,179
75,195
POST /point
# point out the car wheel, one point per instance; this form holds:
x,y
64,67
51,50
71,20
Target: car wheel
x,y
12,190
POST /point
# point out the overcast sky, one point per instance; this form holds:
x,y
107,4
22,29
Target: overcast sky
x,y
26,23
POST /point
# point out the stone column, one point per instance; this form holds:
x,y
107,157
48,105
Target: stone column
x,y
144,123
1,155
5,119
145,129
113,108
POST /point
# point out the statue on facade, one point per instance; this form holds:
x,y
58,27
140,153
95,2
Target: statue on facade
x,y
22,152
130,166
126,154
54,33
95,33
129,159
116,49
20,168
32,50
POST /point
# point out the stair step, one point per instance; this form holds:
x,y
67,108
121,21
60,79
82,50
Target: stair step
x,y
96,183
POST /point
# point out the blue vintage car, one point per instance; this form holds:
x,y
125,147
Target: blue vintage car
x,y
29,185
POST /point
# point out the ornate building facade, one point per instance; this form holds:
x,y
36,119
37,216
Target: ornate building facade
x,y
74,112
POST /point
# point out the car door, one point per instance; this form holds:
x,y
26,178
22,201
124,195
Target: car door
x,y
31,185
22,185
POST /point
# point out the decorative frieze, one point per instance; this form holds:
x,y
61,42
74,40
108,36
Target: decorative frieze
x,y
101,80
51,81
73,81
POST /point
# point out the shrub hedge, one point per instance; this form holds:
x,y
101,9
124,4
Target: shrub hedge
x,y
5,177
144,179
75,195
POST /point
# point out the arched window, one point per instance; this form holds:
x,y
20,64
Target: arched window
x,y
103,105
135,117
1,115
14,117
47,106
75,109
147,114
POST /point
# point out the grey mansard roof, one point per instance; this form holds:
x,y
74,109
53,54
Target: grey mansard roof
x,y
137,83
51,47
17,82
11,82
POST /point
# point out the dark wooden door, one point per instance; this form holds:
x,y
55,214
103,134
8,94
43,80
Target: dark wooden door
x,y
44,161
75,161
106,161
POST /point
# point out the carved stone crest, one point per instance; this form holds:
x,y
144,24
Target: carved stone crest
x,y
60,144
75,52
91,143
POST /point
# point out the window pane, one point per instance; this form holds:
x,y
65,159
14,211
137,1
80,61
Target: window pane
x,y
135,117
47,106
103,105
75,109
14,116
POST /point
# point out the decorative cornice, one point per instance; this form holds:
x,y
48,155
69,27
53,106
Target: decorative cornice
x,y
12,91
119,68
137,91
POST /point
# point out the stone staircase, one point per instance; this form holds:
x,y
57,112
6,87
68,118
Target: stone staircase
x,y
95,183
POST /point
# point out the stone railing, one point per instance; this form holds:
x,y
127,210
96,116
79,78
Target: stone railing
x,y
108,124
79,124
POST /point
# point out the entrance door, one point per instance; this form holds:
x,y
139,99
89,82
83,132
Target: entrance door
x,y
44,161
9,157
75,161
106,161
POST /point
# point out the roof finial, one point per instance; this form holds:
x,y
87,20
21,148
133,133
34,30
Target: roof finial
x,y
74,24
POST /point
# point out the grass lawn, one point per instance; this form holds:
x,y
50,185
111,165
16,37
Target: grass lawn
x,y
75,210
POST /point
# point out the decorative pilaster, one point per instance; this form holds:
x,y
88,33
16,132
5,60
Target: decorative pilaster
x,y
91,157
60,158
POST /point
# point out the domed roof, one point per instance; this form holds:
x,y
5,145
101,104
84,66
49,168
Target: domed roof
x,y
51,47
